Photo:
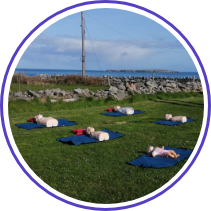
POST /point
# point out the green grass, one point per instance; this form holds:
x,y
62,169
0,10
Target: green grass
x,y
15,87
99,172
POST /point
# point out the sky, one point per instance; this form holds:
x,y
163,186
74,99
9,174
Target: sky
x,y
114,39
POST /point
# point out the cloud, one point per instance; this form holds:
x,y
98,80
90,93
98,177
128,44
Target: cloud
x,y
66,51
61,44
124,54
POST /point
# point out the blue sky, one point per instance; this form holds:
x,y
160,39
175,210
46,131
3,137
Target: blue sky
x,y
115,39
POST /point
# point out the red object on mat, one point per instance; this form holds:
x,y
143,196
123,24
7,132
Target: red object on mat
x,y
79,131
110,109
32,120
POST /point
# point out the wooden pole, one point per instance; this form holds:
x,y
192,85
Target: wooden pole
x,y
83,47
109,84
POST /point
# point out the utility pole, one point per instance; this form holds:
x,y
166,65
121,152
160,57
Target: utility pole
x,y
83,47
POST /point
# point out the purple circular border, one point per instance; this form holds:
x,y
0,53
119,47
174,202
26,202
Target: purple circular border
x,y
100,2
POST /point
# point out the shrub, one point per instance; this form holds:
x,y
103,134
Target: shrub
x,y
54,79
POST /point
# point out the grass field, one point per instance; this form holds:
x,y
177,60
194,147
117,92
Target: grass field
x,y
99,172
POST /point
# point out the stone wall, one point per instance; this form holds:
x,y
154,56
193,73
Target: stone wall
x,y
117,89
151,85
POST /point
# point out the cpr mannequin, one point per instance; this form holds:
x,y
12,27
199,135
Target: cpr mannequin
x,y
46,121
176,118
157,151
99,135
124,110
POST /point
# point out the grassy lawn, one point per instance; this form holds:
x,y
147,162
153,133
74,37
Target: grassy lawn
x,y
99,172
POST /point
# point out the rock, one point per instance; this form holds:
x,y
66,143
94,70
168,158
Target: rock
x,y
33,94
116,79
18,94
140,89
56,91
42,76
196,86
121,87
69,100
62,93
180,85
40,92
91,93
120,94
132,81
169,89
194,83
112,89
78,91
138,85
177,89
151,84
173,85
167,85
54,97
85,92
113,95
53,101
97,94
75,96
48,92
104,94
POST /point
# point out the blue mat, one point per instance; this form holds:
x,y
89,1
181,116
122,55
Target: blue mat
x,y
84,139
161,162
170,123
115,114
31,125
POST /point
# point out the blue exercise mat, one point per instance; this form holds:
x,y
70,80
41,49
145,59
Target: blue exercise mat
x,y
31,125
171,123
115,114
84,139
161,162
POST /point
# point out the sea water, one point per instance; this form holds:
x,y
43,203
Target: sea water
x,y
33,72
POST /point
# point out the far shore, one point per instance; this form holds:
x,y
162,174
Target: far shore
x,y
145,71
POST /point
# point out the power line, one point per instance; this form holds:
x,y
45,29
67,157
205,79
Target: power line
x,y
117,31
112,28
92,46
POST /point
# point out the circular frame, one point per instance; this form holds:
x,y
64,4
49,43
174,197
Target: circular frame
x,y
134,6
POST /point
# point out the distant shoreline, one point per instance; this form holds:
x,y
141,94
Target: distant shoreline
x,y
145,71
100,73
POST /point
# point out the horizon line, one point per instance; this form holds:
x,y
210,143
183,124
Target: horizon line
x,y
93,70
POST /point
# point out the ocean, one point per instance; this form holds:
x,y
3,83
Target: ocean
x,y
33,72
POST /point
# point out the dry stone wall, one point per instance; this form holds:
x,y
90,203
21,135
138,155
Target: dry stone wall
x,y
117,89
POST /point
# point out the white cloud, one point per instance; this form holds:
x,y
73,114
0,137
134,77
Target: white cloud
x,y
60,52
